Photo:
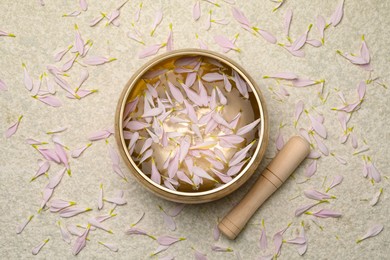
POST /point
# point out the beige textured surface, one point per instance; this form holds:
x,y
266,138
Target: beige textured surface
x,y
41,30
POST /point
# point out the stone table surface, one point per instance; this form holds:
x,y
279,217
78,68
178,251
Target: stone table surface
x,y
41,31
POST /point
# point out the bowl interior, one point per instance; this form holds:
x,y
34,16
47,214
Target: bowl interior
x,y
173,67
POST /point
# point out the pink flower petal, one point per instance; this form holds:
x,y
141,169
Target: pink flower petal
x,y
364,52
199,255
279,141
267,36
298,53
160,249
240,155
64,233
373,171
73,211
59,204
136,125
321,146
103,134
316,195
337,15
77,152
112,17
326,213
321,25
208,21
361,90
372,232
169,43
13,128
65,86
151,50
49,154
81,242
225,43
376,197
226,82
157,20
54,181
176,210
112,247
93,222
138,12
287,22
263,238
311,169
79,42
28,83
318,126
240,84
314,42
97,60
168,240
43,168
298,111
72,14
135,231
211,77
23,225
301,40
247,128
297,241
299,211
38,248
3,86
96,20
196,12
49,100
2,33
59,55
240,17
282,75
83,5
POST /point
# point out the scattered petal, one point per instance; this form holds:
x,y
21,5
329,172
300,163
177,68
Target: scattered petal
x,y
217,248
287,23
372,232
22,226
77,152
103,134
337,15
168,240
196,11
112,247
81,242
376,197
151,50
299,211
64,233
311,169
325,213
157,20
336,181
73,211
38,248
13,128
84,5
96,60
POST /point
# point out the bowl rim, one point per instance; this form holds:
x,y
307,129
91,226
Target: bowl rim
x,y
208,195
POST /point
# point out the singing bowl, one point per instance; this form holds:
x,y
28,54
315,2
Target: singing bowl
x,y
195,197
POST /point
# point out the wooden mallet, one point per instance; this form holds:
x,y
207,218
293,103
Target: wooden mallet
x,y
274,175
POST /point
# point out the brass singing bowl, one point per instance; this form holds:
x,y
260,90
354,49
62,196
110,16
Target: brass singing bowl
x,y
200,196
